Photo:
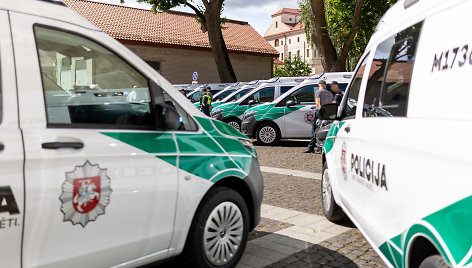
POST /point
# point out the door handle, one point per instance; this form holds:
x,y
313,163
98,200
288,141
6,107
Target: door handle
x,y
347,129
60,145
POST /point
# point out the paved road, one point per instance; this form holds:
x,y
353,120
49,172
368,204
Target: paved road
x,y
301,237
293,231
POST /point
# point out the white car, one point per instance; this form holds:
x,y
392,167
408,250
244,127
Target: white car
x,y
397,158
103,163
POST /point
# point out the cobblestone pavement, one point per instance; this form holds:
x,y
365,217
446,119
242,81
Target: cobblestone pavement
x,y
293,231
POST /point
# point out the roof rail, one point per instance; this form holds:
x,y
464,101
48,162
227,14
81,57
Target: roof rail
x,y
409,3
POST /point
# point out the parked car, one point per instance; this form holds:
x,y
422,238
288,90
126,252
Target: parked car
x,y
290,115
382,166
103,163
232,112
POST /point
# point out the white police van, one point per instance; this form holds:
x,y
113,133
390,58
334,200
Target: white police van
x,y
290,115
103,163
232,112
196,94
397,158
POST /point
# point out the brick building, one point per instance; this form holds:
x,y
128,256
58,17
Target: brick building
x,y
174,44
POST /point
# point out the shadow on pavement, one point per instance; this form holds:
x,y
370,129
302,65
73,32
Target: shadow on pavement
x,y
287,143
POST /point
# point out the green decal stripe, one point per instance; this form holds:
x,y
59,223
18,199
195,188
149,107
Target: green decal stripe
x,y
331,137
387,252
228,130
236,111
451,226
210,155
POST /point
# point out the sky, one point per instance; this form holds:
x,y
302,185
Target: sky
x,y
256,12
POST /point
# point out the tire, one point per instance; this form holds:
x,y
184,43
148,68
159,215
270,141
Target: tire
x,y
331,210
435,261
234,122
197,253
268,133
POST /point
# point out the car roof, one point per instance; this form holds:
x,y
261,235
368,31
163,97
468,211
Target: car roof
x,y
52,9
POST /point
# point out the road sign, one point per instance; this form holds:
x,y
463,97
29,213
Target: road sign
x,y
195,76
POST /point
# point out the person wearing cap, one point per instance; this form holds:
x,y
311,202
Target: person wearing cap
x,y
322,96
338,94
205,101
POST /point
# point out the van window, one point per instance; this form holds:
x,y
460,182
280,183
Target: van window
x,y
304,95
240,94
86,85
261,96
284,89
349,104
389,79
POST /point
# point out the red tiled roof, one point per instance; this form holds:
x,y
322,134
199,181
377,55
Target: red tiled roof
x,y
287,10
166,28
299,26
279,62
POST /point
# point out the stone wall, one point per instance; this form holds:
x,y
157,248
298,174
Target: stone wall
x,y
177,65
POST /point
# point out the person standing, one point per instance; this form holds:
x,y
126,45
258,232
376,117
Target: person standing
x,y
322,96
338,94
205,102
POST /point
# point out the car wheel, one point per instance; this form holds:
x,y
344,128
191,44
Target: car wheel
x,y
234,123
331,210
219,231
268,134
435,261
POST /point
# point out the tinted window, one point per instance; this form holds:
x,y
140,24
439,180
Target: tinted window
x,y
240,94
84,83
284,89
349,104
389,79
261,96
304,95
224,94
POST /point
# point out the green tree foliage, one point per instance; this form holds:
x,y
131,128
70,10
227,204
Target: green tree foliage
x,y
293,67
209,16
339,17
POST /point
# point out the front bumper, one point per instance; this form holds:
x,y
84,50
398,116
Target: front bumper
x,y
248,127
255,182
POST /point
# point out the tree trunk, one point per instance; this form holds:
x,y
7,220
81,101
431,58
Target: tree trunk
x,y
217,42
354,29
321,39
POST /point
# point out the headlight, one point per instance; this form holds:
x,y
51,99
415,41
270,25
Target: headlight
x,y
249,114
249,147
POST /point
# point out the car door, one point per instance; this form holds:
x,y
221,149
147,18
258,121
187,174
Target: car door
x,y
298,118
340,140
92,199
11,155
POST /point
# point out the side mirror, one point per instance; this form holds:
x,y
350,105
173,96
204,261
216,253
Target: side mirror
x,y
290,103
251,102
328,111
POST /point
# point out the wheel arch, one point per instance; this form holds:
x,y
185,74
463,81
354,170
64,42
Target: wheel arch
x,y
241,187
256,126
229,118
421,243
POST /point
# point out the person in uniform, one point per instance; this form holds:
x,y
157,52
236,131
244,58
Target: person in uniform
x,y
205,102
338,94
322,96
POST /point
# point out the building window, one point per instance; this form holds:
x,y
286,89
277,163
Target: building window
x,y
290,19
290,54
276,24
308,53
298,53
298,39
289,41
276,43
281,42
281,56
156,65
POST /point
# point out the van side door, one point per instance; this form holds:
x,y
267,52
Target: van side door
x,y
11,155
298,117
92,198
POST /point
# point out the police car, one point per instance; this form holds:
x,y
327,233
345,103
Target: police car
x,y
223,96
103,163
405,184
290,115
196,94
232,112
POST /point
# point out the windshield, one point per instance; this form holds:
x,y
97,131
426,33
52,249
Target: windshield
x,y
238,94
224,94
